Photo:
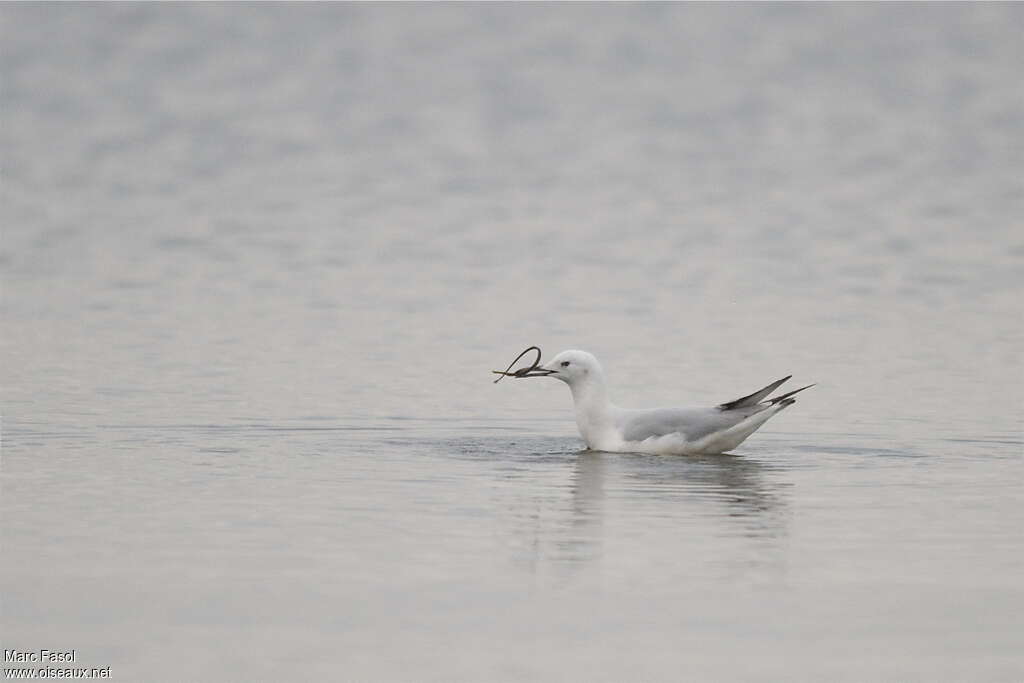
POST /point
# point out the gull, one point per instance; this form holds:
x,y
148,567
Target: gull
x,y
684,431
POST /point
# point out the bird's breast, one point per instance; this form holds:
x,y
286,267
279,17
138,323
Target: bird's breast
x,y
599,432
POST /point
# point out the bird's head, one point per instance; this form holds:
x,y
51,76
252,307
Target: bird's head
x,y
572,367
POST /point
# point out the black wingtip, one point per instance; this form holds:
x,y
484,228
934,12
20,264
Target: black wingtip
x,y
785,398
754,398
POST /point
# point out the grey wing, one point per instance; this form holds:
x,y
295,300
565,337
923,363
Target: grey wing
x,y
694,423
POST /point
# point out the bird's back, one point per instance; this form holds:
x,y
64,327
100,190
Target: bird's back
x,y
693,423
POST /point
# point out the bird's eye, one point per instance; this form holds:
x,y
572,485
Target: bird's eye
x,y
565,363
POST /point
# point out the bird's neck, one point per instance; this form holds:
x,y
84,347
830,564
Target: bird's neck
x,y
591,401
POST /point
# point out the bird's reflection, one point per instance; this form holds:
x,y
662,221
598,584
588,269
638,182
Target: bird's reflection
x,y
567,533
736,483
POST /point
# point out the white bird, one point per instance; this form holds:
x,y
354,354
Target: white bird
x,y
690,431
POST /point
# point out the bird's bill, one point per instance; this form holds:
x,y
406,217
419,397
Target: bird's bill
x,y
525,372
535,372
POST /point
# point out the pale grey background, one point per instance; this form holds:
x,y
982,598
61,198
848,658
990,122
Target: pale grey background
x,y
258,261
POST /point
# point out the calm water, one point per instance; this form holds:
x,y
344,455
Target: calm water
x,y
258,261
